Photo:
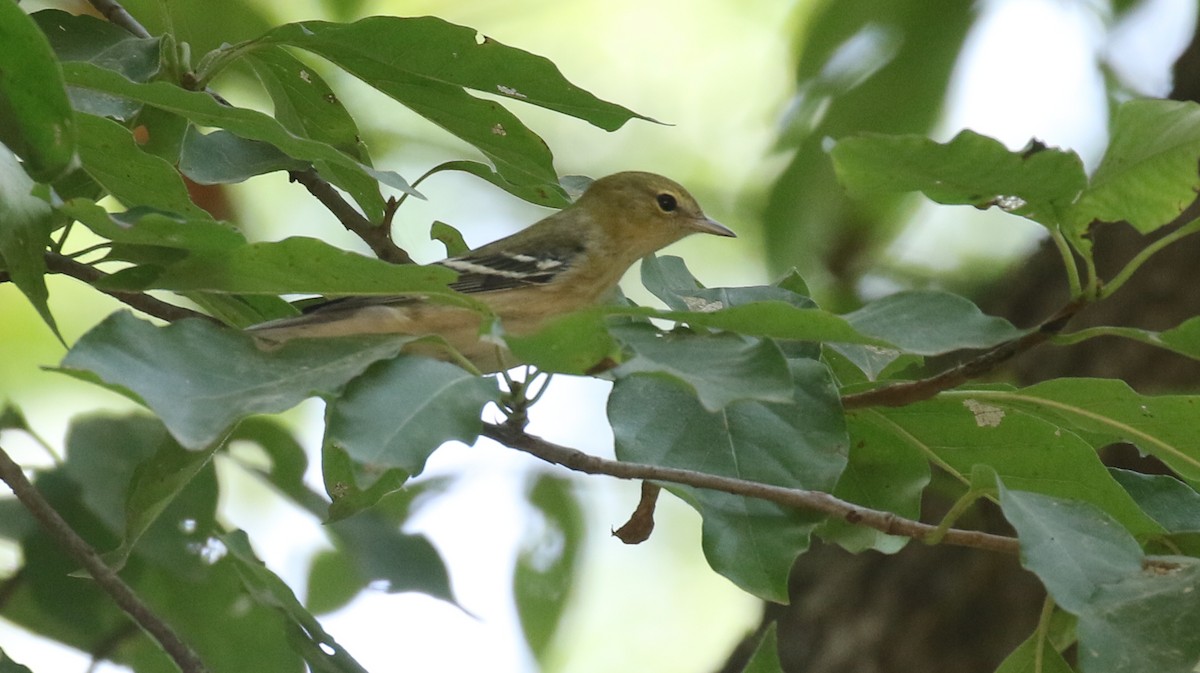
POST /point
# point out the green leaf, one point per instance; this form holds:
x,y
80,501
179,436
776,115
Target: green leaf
x,y
26,222
429,51
372,542
7,665
1038,183
962,430
383,554
269,591
1184,338
882,474
450,237
112,158
200,378
399,411
798,445
1073,547
719,368
333,581
162,133
142,226
342,477
1145,622
766,655
131,471
296,264
1148,173
307,107
80,37
668,278
1170,502
576,343
425,63
36,119
200,599
931,323
547,560
537,193
1132,617
223,158
775,318
1105,411
1030,658
202,110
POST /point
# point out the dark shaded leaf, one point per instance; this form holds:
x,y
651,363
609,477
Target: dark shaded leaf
x,y
1170,502
766,656
882,474
200,378
931,323
112,158
223,158
800,445
399,411
26,222
202,110
1133,617
307,107
719,368
271,592
36,119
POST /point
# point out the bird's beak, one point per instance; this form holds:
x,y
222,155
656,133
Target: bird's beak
x,y
707,225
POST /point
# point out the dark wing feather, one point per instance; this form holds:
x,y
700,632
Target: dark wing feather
x,y
480,271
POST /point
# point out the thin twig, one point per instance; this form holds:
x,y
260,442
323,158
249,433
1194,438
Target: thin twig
x,y
141,301
107,579
116,14
816,501
378,237
908,392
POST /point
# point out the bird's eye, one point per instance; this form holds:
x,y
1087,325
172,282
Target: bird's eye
x,y
667,202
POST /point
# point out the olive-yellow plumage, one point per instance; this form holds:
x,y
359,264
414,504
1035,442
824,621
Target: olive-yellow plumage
x,y
563,262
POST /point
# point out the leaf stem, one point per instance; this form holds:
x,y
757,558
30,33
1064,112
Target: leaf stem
x,y
1137,334
1068,258
1043,634
1145,254
956,510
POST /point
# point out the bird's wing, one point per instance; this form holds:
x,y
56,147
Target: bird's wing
x,y
479,271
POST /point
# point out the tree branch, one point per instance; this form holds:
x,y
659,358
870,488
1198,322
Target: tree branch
x,y
143,302
816,501
108,580
377,236
116,14
908,392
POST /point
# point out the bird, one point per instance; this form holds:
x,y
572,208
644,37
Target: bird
x,y
562,263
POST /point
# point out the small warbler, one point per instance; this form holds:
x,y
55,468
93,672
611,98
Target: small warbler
x,y
563,262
